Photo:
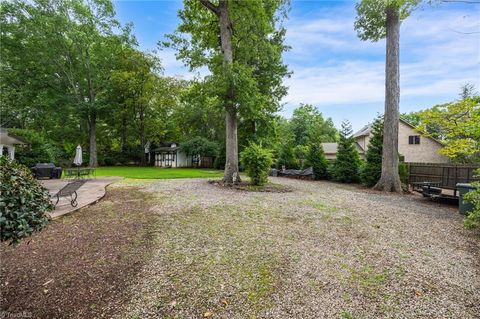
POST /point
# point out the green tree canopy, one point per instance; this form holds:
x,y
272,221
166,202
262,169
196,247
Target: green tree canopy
x,y
459,122
246,66
200,146
372,16
308,126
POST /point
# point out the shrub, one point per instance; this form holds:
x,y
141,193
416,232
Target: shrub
x,y
39,150
257,162
347,165
24,203
317,159
286,157
403,172
301,153
372,170
473,219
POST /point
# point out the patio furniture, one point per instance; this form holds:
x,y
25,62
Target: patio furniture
x,y
427,189
70,190
46,170
79,172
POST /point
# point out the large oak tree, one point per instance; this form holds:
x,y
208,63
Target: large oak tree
x,y
241,44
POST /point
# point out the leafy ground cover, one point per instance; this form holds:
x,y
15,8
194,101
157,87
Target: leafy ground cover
x,y
192,249
156,172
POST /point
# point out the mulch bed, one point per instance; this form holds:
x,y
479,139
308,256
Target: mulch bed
x,y
80,265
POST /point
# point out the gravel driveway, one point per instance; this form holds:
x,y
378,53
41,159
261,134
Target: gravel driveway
x,y
323,250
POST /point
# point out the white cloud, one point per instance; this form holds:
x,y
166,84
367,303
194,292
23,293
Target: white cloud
x,y
333,68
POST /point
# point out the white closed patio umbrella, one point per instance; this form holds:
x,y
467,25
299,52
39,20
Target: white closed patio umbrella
x,y
78,156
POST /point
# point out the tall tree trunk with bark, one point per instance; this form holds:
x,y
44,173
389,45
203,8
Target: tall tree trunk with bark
x,y
92,137
390,180
143,161
231,173
92,116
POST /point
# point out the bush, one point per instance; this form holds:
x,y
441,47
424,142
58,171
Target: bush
x,y
301,153
473,219
372,170
39,150
403,172
286,157
257,162
347,165
24,203
317,159
119,157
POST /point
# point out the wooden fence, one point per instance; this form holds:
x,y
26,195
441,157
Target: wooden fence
x,y
448,175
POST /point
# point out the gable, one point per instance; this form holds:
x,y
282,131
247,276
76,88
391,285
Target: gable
x,y
411,128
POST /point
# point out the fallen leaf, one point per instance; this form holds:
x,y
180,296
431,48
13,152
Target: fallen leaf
x,y
208,314
224,302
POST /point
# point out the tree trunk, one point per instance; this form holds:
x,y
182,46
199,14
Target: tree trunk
x,y
231,174
92,116
123,133
390,180
143,161
92,136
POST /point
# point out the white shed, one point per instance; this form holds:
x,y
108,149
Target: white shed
x,y
169,154
8,142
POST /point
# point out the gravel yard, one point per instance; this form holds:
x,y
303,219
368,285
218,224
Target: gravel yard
x,y
323,250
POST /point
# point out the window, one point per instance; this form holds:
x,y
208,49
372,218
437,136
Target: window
x,y
414,139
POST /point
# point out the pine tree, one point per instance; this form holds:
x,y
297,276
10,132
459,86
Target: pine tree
x,y
347,164
317,159
287,157
373,158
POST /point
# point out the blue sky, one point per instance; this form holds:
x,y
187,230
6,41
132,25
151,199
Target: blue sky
x,y
335,71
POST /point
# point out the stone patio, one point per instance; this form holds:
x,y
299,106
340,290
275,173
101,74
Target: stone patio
x,y
89,193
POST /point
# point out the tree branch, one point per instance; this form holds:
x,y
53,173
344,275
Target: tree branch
x,y
210,6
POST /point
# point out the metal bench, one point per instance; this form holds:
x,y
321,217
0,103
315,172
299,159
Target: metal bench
x,y
70,190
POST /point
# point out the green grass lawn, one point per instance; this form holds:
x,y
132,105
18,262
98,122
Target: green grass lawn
x,y
156,172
